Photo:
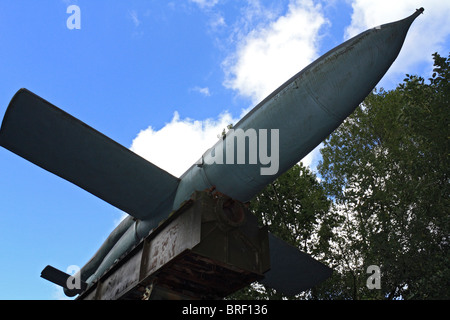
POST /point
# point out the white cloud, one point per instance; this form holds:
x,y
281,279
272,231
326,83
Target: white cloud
x,y
217,21
270,49
180,143
270,54
205,3
134,17
427,34
202,90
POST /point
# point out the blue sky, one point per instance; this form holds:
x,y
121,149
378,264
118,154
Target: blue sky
x,y
162,78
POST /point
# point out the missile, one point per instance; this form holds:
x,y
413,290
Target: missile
x,y
306,108
280,131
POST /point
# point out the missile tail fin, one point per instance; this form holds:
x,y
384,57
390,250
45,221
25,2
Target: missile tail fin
x,y
292,271
63,279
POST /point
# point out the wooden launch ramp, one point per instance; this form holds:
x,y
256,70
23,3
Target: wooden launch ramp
x,y
209,248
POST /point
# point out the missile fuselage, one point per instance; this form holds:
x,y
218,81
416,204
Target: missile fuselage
x,y
305,109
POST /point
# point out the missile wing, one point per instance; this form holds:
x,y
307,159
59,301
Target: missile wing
x,y
298,115
54,140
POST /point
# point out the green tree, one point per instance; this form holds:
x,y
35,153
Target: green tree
x,y
386,169
386,175
292,207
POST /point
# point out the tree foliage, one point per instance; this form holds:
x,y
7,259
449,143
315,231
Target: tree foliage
x,y
383,197
386,169
292,207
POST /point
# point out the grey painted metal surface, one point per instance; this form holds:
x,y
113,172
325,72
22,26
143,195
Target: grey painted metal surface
x,y
54,140
305,110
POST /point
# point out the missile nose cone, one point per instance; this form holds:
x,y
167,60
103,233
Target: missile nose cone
x,y
406,22
417,13
347,74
